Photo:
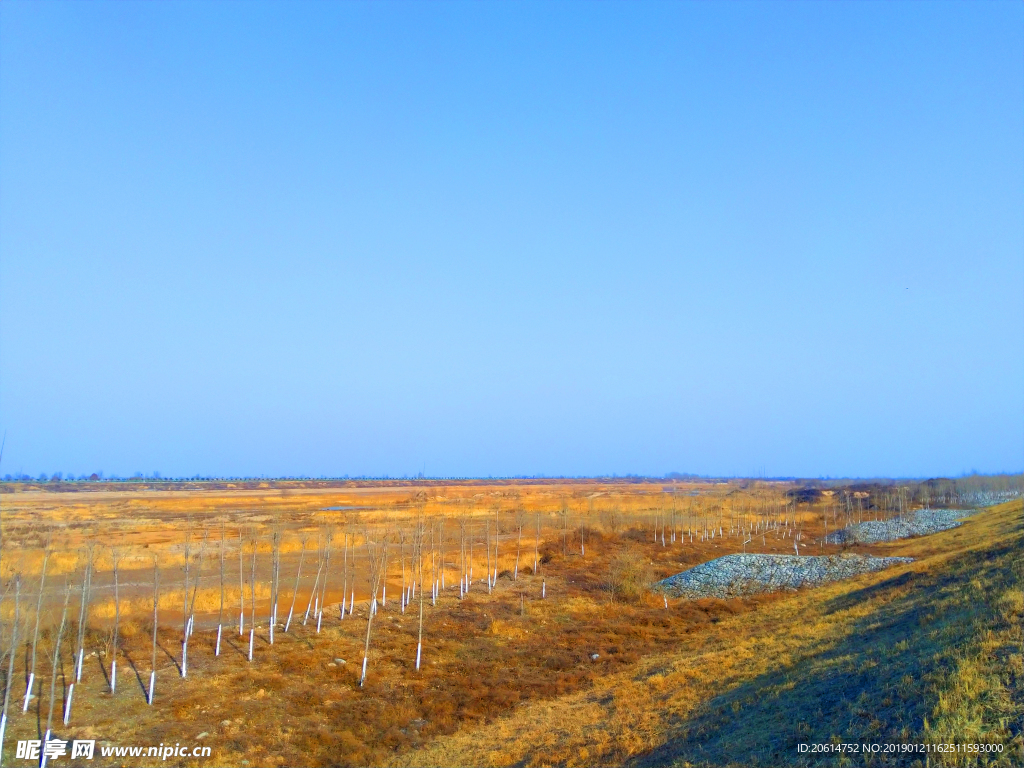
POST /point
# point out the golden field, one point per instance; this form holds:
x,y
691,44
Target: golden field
x,y
927,651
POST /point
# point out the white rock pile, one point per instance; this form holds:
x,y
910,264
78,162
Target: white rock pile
x,y
917,523
737,575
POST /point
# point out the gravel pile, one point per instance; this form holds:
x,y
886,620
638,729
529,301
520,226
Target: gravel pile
x,y
735,575
918,523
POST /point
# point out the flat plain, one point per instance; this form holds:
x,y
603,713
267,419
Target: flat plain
x,y
557,652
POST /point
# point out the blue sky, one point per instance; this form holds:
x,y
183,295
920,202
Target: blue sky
x,y
512,238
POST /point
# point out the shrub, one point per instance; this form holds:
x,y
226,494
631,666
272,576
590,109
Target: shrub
x,y
629,575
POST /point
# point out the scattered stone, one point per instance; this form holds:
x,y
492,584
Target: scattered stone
x,y
225,723
332,664
340,661
202,735
921,522
595,656
736,575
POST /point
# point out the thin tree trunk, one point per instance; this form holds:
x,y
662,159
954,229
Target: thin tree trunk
x,y
241,587
35,633
295,591
487,547
327,569
220,615
252,595
117,624
156,606
190,624
184,601
536,548
10,661
53,672
419,640
519,546
83,613
375,568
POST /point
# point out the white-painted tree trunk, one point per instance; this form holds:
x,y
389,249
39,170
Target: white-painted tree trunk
x,y
419,650
363,678
184,657
67,704
3,730
152,687
543,589
28,691
78,668
42,756
216,651
241,623
252,636
319,616
113,676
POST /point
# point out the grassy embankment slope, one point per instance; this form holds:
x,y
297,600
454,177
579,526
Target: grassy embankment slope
x,y
930,652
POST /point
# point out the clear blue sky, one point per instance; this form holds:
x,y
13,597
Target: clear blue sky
x,y
512,238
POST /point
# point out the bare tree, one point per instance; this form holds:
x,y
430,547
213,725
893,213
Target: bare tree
x,y
220,615
191,619
187,551
487,548
536,548
254,538
374,555
295,590
83,614
35,633
519,544
116,557
329,538
10,660
275,560
401,549
344,575
440,549
418,553
53,671
314,593
241,587
156,606
496,539
71,687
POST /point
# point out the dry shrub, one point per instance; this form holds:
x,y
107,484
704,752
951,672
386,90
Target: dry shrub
x,y
611,519
130,629
629,575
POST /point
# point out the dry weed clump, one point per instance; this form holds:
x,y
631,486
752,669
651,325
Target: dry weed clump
x,y
629,575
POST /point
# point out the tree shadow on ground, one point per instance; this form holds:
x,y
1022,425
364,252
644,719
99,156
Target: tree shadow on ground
x,y
875,685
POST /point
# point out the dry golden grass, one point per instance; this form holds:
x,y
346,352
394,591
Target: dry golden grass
x,y
508,678
926,652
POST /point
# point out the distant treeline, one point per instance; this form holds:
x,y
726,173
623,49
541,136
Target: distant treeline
x,y
975,488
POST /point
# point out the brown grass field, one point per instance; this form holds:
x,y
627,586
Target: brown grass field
x,y
929,652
